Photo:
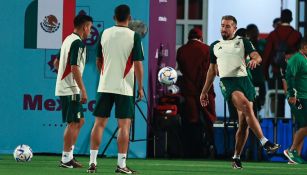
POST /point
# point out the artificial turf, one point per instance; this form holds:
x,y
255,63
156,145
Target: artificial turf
x,y
48,165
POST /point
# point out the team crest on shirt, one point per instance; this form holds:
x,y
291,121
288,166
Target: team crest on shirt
x,y
222,86
237,44
50,24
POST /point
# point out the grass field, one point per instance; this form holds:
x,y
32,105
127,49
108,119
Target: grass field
x,y
48,165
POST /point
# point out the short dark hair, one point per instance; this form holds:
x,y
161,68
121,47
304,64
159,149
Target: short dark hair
x,y
286,16
276,21
122,12
251,27
241,32
195,33
252,31
230,17
80,19
303,42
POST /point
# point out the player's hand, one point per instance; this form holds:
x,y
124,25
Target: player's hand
x,y
292,100
99,64
83,99
252,64
204,100
56,64
140,94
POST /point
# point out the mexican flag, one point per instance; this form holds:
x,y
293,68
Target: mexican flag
x,y
48,22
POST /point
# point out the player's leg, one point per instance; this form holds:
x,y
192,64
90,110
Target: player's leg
x,y
96,137
301,120
300,147
242,104
242,134
292,153
75,135
298,138
67,160
72,114
241,138
124,111
123,140
68,142
103,107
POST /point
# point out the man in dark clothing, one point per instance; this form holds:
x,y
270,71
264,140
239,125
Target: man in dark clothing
x,y
283,33
193,62
252,33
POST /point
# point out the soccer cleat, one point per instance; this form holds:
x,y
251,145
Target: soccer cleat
x,y
236,164
293,156
291,163
270,147
92,168
77,162
71,164
125,170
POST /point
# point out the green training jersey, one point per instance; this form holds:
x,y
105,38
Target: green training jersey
x,y
118,48
230,56
73,52
296,76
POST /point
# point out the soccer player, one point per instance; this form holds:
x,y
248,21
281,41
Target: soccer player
x,y
119,58
296,77
227,57
70,87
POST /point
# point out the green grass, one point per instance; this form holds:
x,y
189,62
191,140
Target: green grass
x,y
48,165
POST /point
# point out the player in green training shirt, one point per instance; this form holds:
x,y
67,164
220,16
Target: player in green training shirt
x,y
296,76
227,59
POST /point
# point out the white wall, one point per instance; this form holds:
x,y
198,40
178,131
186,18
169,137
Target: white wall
x,y
259,12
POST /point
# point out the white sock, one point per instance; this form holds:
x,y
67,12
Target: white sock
x,y
263,140
65,157
93,157
236,157
121,160
71,153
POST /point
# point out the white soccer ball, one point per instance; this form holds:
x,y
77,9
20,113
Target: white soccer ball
x,y
23,153
167,75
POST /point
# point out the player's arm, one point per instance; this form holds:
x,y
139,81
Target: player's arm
x,y
139,73
212,72
255,58
99,59
138,57
99,63
290,78
56,61
74,49
78,78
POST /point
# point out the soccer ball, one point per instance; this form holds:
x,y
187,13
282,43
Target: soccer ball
x,y
167,75
23,153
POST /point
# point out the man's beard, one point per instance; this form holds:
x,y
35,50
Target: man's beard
x,y
224,35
